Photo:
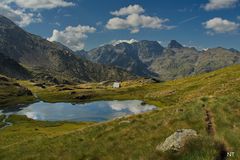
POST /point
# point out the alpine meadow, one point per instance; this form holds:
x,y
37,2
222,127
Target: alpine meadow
x,y
119,80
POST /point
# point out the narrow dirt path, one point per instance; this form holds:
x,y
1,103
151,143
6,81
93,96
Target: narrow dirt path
x,y
210,128
209,123
222,153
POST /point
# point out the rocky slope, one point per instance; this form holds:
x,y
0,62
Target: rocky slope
x,y
127,56
54,59
11,68
149,58
12,93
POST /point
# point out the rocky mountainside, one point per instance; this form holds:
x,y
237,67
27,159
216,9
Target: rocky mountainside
x,y
134,57
54,59
11,68
149,58
189,61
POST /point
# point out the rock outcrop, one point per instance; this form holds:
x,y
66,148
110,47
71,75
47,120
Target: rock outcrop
x,y
177,140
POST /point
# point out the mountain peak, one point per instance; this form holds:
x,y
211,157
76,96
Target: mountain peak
x,y
53,59
174,44
234,50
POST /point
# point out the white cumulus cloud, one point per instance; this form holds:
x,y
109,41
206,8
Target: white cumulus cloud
x,y
23,12
132,106
19,16
40,4
72,37
219,25
219,4
134,20
117,23
131,9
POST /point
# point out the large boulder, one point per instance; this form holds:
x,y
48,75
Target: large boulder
x,y
177,140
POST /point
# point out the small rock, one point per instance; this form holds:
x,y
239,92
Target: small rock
x,y
179,110
40,85
83,97
177,140
65,89
124,122
28,93
72,93
4,79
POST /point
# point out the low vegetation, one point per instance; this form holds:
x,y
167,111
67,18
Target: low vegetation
x,y
1,119
183,103
12,93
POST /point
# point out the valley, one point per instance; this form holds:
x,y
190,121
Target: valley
x,y
81,80
182,104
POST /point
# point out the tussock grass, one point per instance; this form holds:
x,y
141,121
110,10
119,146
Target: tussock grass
x,y
182,104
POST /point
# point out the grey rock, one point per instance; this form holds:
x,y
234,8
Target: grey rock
x,y
135,57
177,140
13,69
50,59
124,122
150,59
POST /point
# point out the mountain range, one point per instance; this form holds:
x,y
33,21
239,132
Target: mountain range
x,y
47,60
27,56
149,58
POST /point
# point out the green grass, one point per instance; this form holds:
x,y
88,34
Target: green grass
x,y
114,140
24,130
162,94
217,91
227,120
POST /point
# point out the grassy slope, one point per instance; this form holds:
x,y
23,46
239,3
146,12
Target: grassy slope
x,y
217,91
25,129
170,93
11,93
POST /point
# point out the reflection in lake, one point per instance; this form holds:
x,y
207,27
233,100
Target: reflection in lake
x,y
93,111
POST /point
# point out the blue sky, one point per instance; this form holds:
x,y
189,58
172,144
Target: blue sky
x,y
202,23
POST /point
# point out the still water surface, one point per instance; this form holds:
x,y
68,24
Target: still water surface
x,y
94,111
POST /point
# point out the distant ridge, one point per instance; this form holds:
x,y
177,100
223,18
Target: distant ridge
x,y
149,58
41,56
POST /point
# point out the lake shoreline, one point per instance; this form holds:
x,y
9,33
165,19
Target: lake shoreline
x,y
96,111
5,123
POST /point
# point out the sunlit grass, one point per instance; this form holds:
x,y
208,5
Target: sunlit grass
x,y
182,104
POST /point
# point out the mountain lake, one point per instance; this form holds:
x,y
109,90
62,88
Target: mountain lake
x,y
97,111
